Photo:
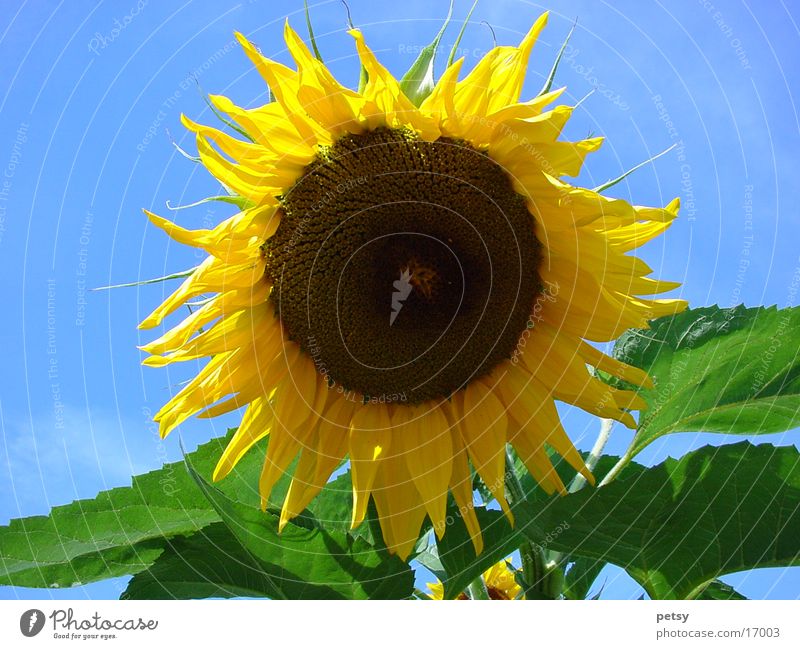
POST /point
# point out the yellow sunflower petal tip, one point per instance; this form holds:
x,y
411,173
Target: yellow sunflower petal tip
x,y
155,219
533,33
155,361
484,173
189,124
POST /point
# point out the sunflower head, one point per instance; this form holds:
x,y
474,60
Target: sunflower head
x,y
409,286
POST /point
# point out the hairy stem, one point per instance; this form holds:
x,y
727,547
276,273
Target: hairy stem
x,y
606,425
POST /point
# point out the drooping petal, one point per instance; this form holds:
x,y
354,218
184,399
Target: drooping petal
x,y
483,424
422,435
398,504
370,437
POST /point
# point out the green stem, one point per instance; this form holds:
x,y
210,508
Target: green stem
x,y
477,589
615,470
606,425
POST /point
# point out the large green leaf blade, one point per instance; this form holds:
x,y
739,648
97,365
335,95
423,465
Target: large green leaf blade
x,y
679,525
306,561
580,576
718,370
209,563
457,554
123,530
717,589
119,532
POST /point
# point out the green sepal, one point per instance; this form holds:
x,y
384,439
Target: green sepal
x,y
418,82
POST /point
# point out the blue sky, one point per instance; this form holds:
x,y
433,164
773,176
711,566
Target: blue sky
x,y
89,91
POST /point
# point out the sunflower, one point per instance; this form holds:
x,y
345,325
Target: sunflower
x,y
500,581
409,286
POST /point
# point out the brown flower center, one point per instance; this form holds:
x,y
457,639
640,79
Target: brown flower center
x,y
405,268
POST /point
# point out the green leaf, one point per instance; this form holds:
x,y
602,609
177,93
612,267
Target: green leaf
x,y
418,82
501,540
209,563
678,525
717,589
580,576
122,531
306,561
717,370
457,555
119,532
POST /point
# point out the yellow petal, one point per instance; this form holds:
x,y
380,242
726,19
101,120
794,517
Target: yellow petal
x,y
283,447
422,436
284,84
461,487
604,363
483,428
330,104
399,509
255,425
386,104
327,447
370,436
